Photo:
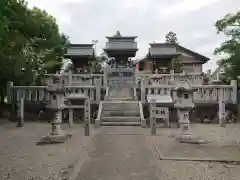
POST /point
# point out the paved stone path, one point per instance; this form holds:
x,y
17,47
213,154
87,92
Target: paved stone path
x,y
121,157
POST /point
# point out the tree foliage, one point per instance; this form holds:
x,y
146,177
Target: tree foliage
x,y
230,26
176,65
171,38
30,43
96,63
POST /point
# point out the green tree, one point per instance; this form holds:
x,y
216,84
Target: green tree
x,y
176,65
171,38
96,63
30,43
230,26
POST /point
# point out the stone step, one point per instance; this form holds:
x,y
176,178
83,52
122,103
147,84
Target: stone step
x,y
119,109
120,119
121,105
119,98
120,123
128,112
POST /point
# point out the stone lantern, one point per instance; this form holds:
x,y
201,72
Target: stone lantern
x,y
57,135
184,104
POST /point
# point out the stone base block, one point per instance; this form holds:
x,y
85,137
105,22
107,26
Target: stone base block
x,y
190,139
97,123
143,123
54,139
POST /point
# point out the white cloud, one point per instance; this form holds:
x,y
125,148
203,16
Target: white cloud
x,y
185,6
192,20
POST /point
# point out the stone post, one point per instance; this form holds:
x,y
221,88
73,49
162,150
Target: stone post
x,y
9,92
70,76
143,89
234,91
21,113
221,109
57,121
166,120
70,117
153,116
171,75
105,78
87,117
98,90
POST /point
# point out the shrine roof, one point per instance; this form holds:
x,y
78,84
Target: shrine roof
x,y
158,49
80,50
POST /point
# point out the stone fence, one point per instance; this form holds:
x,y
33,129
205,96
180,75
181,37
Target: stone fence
x,y
192,78
39,93
92,84
74,79
90,79
204,94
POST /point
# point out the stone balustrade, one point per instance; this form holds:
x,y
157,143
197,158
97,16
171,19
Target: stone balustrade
x,y
193,78
74,79
39,93
204,94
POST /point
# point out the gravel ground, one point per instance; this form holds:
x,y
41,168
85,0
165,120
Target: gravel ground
x,y
22,159
196,170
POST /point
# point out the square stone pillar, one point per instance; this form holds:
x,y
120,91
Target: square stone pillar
x,y
87,115
153,116
70,120
98,90
143,89
221,108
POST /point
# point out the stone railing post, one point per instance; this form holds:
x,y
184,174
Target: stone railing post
x,y
87,118
21,112
153,116
98,90
234,91
70,76
171,75
105,78
70,116
143,89
9,91
221,109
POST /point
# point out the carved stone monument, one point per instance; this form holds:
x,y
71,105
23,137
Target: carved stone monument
x,y
57,135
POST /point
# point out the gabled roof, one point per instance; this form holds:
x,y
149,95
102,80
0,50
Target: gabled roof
x,y
80,50
179,47
201,57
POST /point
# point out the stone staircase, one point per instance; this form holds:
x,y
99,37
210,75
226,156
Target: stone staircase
x,y
120,113
120,109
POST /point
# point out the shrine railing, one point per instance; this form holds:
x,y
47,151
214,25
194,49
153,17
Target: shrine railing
x,y
204,93
75,79
150,79
40,94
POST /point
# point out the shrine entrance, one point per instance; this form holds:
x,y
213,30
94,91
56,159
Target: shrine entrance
x,y
120,79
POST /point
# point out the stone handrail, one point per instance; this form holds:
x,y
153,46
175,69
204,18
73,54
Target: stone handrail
x,y
204,93
193,78
141,111
107,93
39,93
99,111
74,79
